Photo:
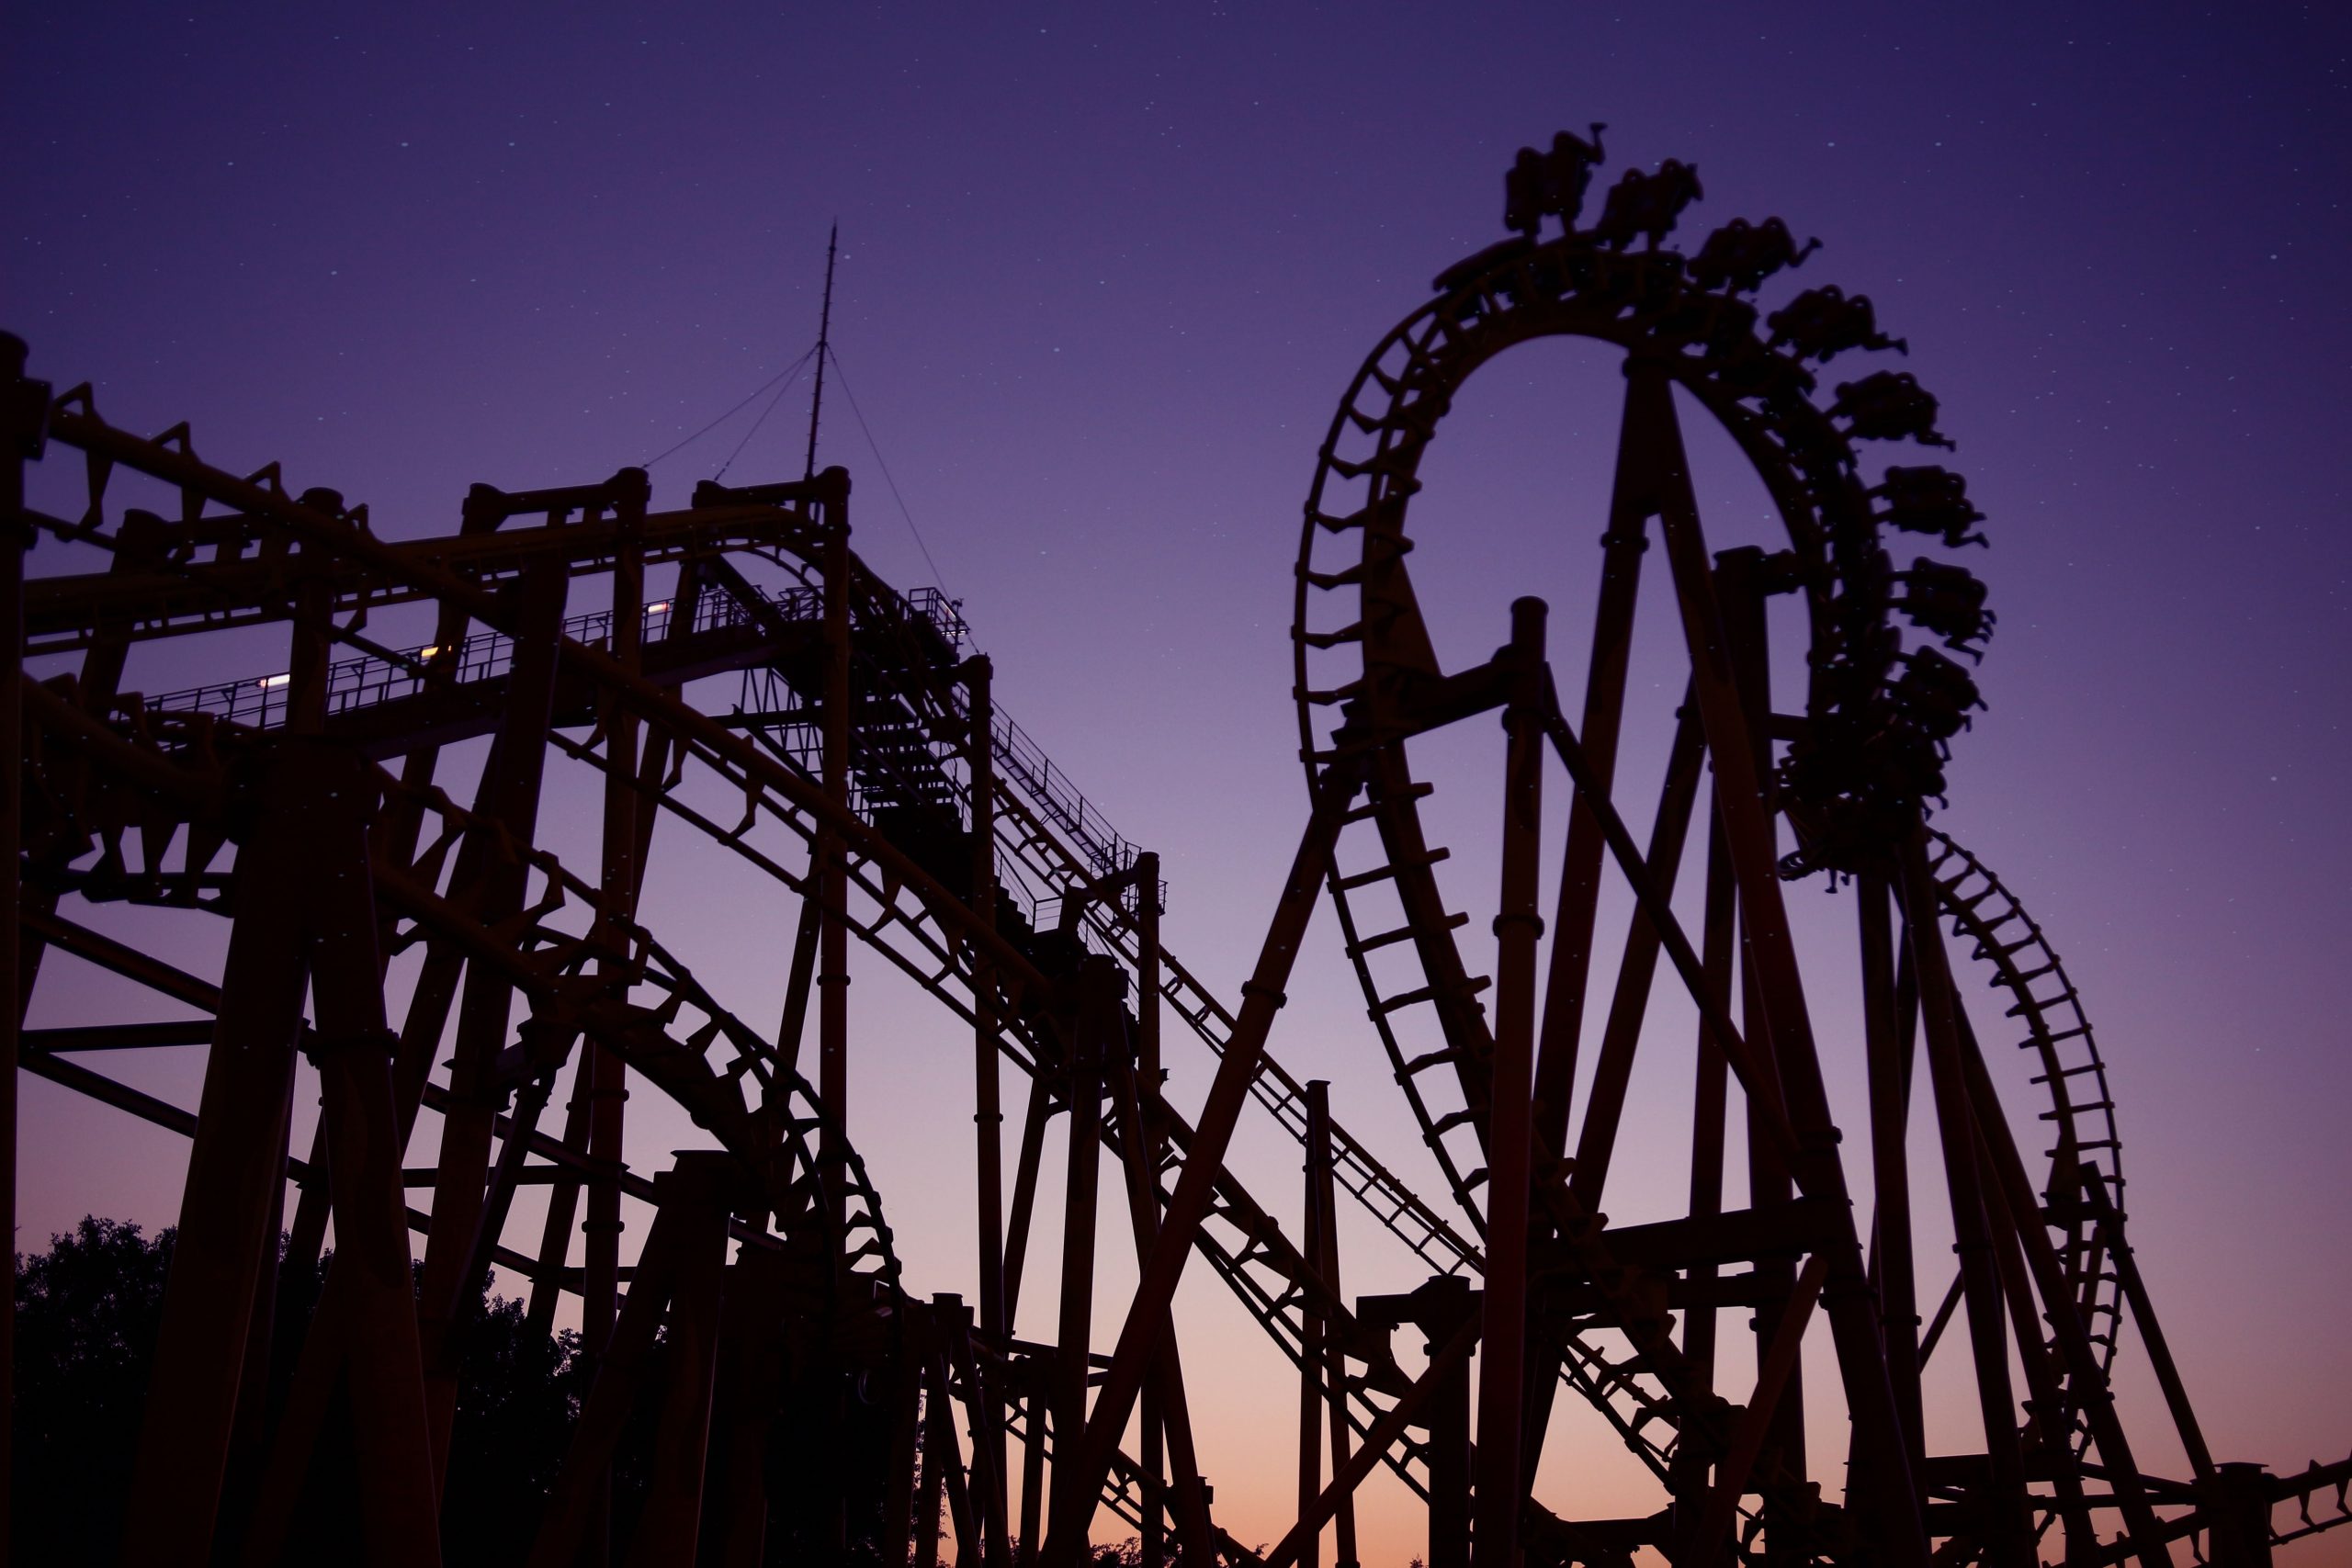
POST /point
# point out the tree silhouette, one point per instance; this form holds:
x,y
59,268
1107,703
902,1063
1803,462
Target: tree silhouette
x,y
88,1313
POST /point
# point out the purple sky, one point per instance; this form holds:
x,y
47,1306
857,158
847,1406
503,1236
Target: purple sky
x,y
1104,274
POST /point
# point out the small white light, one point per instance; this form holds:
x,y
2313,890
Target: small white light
x,y
428,652
657,609
268,681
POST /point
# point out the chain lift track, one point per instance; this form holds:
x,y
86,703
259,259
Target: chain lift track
x,y
864,771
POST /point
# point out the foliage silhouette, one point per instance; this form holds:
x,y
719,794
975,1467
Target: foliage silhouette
x,y
87,1312
87,1315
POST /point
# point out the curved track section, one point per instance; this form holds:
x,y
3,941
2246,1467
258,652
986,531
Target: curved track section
x,y
783,1136
2074,1073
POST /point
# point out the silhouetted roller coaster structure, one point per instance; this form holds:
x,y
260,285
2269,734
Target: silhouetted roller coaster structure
x,y
742,678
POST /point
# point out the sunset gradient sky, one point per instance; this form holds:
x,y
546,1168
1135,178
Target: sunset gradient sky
x,y
1106,272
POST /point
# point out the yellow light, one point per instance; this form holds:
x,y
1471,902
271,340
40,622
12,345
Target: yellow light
x,y
428,652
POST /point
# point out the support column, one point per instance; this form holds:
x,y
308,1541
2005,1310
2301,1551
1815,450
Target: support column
x,y
1335,1354
26,415
2152,1334
1188,1205
832,870
1024,1194
930,1492
979,1405
1632,499
1449,1305
709,1186
689,1230
1739,598
1621,1035
399,1483
1612,1070
1502,1376
236,1160
2086,1379
2006,1523
1032,1464
906,1525
942,1457
1895,1274
564,1200
1097,1018
602,1079
793,1027
512,778
752,1363
1893,1505
601,1231
1310,1326
1709,1105
1152,1151
1165,1388
987,1098
2236,1500
310,659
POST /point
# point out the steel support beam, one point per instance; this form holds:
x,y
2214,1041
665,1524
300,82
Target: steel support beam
x,y
1502,1361
1633,501
235,1165
1188,1206
988,1101
22,422
1894,1506
1090,1040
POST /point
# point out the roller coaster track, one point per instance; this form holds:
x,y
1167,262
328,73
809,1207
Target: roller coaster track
x,y
845,772
1033,801
670,1041
2045,1003
1052,845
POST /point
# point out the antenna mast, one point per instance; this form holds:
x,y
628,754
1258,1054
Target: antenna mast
x,y
824,336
